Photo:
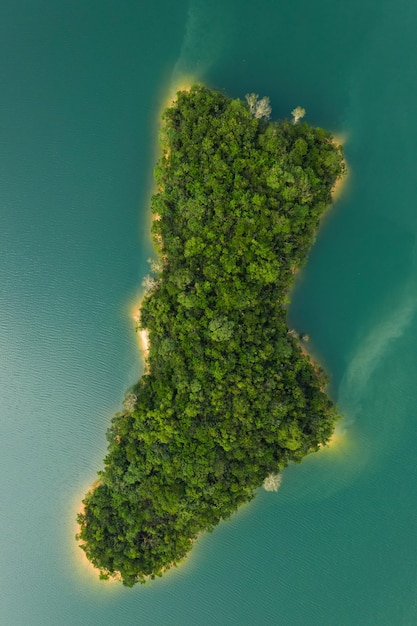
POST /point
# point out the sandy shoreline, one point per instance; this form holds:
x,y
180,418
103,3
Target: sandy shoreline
x,y
184,84
339,186
141,334
339,139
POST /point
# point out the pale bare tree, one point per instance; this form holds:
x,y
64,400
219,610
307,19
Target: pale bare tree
x,y
130,402
259,108
150,284
251,99
297,114
263,108
156,265
272,482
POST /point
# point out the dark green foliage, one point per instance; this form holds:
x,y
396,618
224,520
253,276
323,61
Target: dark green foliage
x,y
228,397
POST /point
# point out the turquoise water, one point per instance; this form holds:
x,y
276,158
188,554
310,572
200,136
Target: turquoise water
x,y
82,87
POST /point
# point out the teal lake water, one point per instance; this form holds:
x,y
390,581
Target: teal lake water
x,y
83,84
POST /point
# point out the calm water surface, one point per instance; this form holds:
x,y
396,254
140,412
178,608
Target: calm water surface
x,y
82,86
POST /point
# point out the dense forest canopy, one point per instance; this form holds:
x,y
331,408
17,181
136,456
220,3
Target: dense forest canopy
x,y
228,397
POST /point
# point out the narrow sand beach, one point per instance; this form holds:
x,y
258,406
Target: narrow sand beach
x,y
339,139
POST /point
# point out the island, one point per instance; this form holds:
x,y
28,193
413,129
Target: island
x,y
229,396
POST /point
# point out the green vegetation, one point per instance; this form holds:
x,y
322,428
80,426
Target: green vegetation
x,y
228,398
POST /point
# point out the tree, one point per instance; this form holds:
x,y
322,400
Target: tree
x,y
259,108
297,114
252,99
272,482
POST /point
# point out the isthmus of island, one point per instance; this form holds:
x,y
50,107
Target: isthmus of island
x,y
228,398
